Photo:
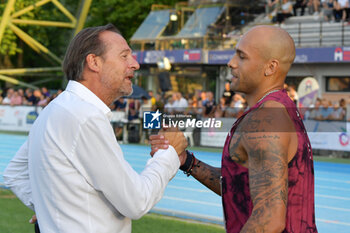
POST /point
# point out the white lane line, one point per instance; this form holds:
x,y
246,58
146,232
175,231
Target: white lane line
x,y
333,188
332,208
332,221
333,197
190,189
192,201
333,180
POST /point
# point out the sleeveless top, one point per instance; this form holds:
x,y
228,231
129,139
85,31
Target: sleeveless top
x,y
237,203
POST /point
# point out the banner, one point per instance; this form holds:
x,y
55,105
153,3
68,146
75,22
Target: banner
x,y
18,118
216,137
174,56
324,135
222,57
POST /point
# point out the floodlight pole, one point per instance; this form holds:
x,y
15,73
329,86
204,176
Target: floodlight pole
x,y
11,19
6,17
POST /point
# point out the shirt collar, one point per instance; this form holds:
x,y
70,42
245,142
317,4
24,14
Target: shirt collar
x,y
87,95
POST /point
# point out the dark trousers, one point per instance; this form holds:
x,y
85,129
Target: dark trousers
x,y
282,16
36,227
299,4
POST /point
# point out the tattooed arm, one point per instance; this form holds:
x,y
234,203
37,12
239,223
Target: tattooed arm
x,y
266,144
208,176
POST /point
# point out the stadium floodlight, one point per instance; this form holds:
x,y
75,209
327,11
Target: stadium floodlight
x,y
173,16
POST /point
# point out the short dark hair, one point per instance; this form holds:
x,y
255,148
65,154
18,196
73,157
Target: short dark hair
x,y
86,42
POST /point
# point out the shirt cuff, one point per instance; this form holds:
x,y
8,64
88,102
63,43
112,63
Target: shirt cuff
x,y
172,159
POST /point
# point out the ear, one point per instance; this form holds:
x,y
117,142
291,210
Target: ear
x,y
93,62
272,67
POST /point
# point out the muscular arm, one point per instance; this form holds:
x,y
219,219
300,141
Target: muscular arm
x,y
208,176
267,148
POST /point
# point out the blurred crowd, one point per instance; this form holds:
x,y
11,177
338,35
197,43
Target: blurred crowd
x,y
331,10
198,104
28,96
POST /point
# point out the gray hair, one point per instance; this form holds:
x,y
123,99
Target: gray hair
x,y
84,43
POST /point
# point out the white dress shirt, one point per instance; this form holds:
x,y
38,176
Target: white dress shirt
x,y
73,172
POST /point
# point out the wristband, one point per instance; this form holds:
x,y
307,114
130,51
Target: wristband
x,y
188,163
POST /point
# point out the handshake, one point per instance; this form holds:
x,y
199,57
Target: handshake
x,y
170,136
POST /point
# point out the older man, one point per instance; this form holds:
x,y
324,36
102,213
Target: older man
x,y
71,170
267,176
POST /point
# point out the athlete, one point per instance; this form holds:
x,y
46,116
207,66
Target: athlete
x,y
266,179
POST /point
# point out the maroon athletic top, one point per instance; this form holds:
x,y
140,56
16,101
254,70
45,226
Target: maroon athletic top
x,y
236,198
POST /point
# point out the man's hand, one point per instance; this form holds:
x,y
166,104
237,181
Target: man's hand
x,y
173,137
33,219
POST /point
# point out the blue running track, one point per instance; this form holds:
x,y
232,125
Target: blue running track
x,y
185,197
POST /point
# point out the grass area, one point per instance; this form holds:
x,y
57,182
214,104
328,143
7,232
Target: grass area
x,y
159,224
14,217
14,133
331,159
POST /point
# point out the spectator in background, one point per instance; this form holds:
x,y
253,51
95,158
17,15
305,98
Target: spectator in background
x,y
327,10
42,100
292,93
16,99
180,103
326,109
153,99
231,111
209,104
220,108
54,95
299,4
314,111
343,5
338,113
270,7
203,97
342,103
145,105
21,93
119,105
198,107
169,106
286,11
7,99
190,109
339,10
240,104
159,103
133,109
347,11
314,6
45,92
228,93
30,99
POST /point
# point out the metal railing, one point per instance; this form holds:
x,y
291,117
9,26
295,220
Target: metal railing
x,y
320,34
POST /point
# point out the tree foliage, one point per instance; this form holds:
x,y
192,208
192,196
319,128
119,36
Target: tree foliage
x,y
127,16
55,39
